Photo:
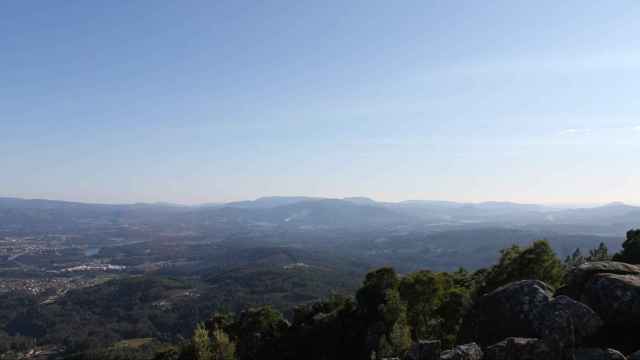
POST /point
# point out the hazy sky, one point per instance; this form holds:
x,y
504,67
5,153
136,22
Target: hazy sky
x,y
204,101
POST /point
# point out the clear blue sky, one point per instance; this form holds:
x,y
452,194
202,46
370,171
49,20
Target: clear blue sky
x,y
205,101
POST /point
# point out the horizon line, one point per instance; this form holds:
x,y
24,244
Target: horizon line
x,y
222,203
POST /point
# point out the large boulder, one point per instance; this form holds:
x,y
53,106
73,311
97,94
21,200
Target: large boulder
x,y
579,276
518,349
424,350
525,309
564,323
509,311
463,352
598,354
615,297
611,289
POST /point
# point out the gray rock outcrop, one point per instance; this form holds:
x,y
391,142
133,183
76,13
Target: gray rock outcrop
x,y
517,349
612,290
463,352
525,309
598,354
509,311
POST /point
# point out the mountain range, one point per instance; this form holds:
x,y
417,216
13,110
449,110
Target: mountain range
x,y
310,213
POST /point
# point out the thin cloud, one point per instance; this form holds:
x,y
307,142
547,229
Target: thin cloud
x,y
573,131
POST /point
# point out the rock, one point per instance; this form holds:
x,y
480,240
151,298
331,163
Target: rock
x,y
564,323
635,356
525,309
424,350
616,298
463,352
612,290
579,276
585,321
517,349
509,311
598,354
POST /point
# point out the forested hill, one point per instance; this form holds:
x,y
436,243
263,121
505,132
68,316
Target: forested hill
x,y
529,304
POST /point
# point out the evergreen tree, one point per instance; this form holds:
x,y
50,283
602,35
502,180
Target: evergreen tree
x,y
575,259
435,303
221,347
630,248
383,313
536,262
601,253
454,304
423,292
201,343
257,333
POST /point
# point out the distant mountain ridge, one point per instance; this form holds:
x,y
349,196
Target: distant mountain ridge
x,y
314,212
269,202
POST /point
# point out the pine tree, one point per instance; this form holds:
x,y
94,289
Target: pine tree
x,y
574,260
601,253
201,343
630,248
221,347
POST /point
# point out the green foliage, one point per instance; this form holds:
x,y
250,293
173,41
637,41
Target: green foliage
x,y
435,303
575,259
208,344
449,314
170,353
257,332
221,347
15,343
601,253
536,262
630,248
386,314
423,292
135,349
383,313
329,329
397,340
201,344
219,321
377,287
96,317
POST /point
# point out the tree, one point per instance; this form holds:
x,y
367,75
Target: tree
x,y
574,260
221,347
257,332
170,353
630,248
601,253
383,313
219,321
397,337
435,303
422,291
536,262
330,329
374,291
201,343
450,312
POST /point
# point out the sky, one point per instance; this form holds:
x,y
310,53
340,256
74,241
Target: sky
x,y
212,101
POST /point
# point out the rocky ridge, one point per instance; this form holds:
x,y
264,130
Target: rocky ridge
x,y
596,316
